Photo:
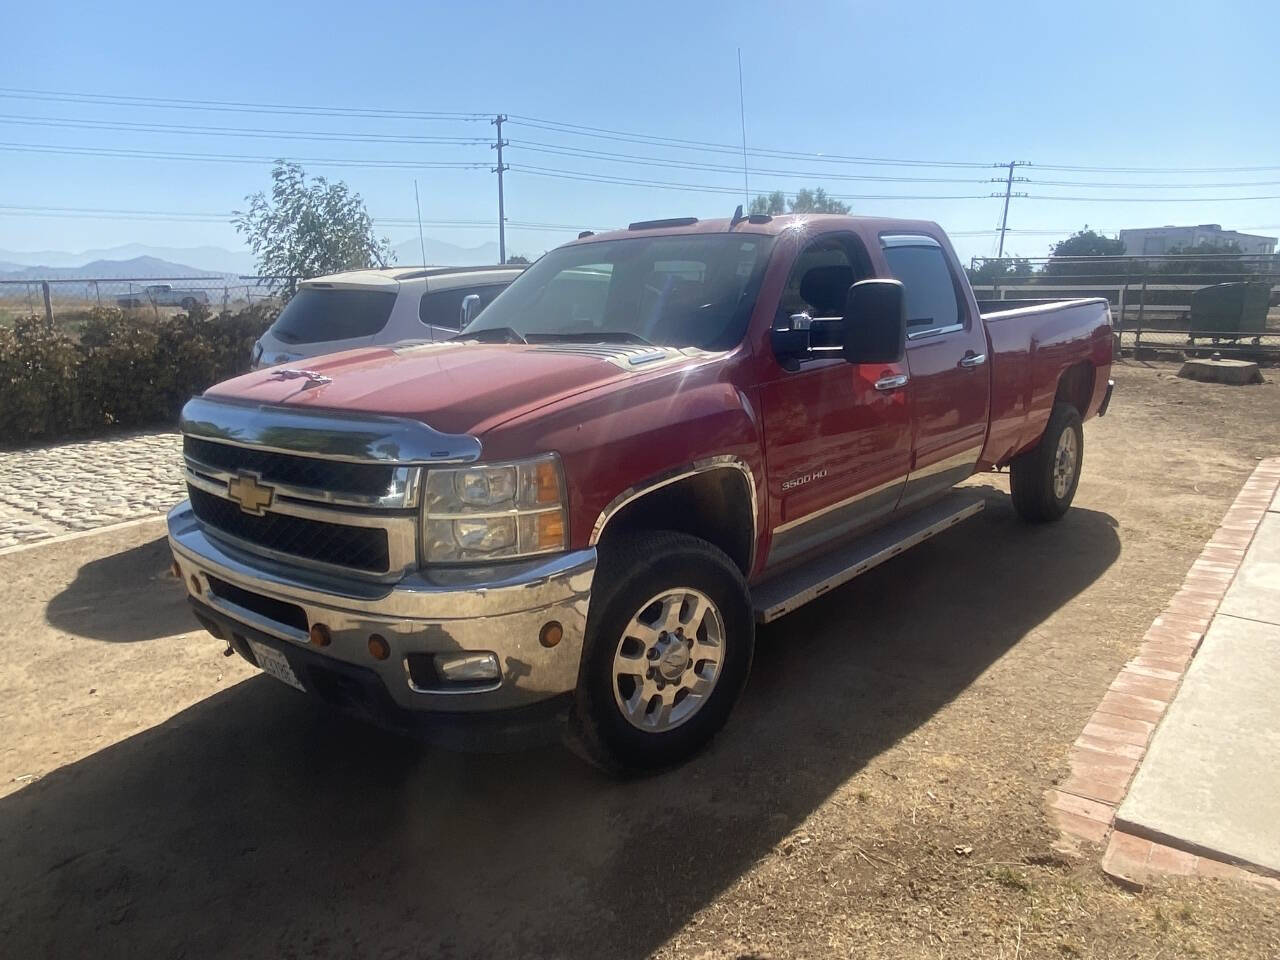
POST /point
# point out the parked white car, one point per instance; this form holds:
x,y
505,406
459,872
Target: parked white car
x,y
363,308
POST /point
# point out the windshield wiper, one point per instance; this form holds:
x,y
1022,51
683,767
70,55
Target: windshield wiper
x,y
593,336
493,335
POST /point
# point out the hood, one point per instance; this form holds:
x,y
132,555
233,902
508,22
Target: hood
x,y
453,387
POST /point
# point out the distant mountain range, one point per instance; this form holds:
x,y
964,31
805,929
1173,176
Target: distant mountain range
x,y
140,260
108,270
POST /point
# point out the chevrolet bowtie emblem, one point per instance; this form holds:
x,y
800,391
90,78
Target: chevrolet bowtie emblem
x,y
253,497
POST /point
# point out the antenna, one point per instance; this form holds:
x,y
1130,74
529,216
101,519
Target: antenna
x,y
422,244
737,217
742,115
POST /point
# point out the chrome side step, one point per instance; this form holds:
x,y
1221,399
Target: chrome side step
x,y
795,588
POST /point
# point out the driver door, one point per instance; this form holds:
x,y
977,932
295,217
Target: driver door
x,y
838,435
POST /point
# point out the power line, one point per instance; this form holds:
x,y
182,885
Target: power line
x,y
536,146
583,176
234,106
564,127
1086,169
187,130
203,217
705,146
1038,196
234,158
1154,186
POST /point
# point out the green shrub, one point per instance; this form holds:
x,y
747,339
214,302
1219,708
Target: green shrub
x,y
124,371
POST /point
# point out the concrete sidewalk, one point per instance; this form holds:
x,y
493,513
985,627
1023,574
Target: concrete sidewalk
x,y
1178,770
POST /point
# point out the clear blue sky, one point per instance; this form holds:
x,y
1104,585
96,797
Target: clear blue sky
x,y
1085,84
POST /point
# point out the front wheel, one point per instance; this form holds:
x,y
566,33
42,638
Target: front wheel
x,y
669,642
1043,481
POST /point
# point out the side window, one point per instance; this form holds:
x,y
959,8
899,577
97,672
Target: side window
x,y
819,281
442,308
932,301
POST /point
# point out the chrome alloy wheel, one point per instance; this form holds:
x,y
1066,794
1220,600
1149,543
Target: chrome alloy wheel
x,y
668,660
1065,460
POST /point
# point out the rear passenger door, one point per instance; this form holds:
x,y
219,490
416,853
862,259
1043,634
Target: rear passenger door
x,y
947,362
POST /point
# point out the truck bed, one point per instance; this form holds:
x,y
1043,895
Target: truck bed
x,y
1033,343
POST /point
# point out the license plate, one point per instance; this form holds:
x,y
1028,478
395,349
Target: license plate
x,y
275,663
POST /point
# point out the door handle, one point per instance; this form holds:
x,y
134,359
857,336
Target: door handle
x,y
972,360
892,383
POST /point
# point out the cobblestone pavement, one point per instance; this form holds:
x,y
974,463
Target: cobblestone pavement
x,y
46,491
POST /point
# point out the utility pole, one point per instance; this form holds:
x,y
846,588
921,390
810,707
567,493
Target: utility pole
x,y
1008,192
502,216
742,116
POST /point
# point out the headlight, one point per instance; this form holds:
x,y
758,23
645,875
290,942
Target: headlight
x,y
495,511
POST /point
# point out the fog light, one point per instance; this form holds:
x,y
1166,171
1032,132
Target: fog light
x,y
379,649
551,633
320,637
467,667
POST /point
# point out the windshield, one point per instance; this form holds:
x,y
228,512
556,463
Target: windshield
x,y
317,315
693,290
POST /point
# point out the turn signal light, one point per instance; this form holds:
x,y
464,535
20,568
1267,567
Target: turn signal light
x,y
551,633
320,636
550,530
546,482
195,585
379,649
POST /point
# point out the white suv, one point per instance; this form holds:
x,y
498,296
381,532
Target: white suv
x,y
361,308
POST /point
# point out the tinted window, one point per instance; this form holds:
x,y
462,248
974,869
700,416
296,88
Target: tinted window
x,y
930,293
819,282
693,290
316,315
442,308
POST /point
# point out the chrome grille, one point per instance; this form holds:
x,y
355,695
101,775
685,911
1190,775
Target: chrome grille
x,y
360,548
372,480
318,488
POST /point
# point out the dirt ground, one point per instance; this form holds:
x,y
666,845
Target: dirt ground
x,y
877,793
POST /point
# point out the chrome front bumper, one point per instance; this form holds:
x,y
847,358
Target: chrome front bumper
x,y
499,610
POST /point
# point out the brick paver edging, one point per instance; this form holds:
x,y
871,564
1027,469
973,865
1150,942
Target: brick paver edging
x,y
1106,755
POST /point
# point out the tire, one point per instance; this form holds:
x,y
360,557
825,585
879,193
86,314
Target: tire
x,y
618,722
1040,490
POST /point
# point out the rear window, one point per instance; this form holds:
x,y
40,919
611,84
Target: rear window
x,y
443,308
317,315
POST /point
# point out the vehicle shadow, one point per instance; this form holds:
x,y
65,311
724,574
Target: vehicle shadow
x,y
254,824
102,603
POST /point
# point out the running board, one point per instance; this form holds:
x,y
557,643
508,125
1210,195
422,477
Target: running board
x,y
797,587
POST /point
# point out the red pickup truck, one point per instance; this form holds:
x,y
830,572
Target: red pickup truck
x,y
653,440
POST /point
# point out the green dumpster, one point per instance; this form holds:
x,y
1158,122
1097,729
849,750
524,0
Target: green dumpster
x,y
1231,307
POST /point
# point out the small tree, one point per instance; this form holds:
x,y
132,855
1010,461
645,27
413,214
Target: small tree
x,y
306,229
1000,271
771,204
805,201
517,259
1085,243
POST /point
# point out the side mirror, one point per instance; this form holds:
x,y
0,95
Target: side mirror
x,y
875,322
470,307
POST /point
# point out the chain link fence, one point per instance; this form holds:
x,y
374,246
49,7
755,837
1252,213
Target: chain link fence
x,y
64,301
1188,303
